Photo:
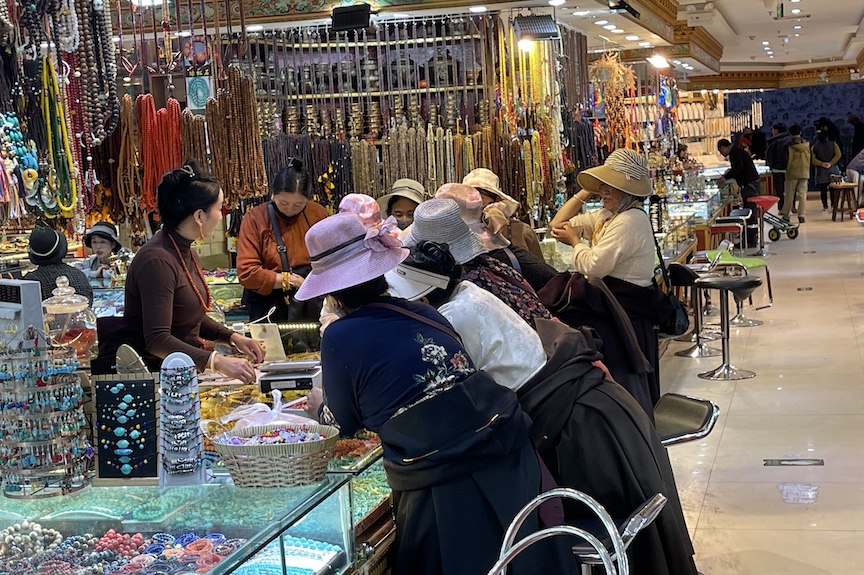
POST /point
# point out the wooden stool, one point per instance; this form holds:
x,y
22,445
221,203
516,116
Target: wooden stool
x,y
846,196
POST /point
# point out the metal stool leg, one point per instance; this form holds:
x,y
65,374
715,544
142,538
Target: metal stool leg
x,y
726,371
701,349
741,320
762,252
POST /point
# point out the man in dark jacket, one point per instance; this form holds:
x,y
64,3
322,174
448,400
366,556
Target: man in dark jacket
x,y
743,171
594,437
777,157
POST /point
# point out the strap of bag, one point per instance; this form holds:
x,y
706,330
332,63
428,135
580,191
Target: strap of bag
x,y
419,318
277,233
514,263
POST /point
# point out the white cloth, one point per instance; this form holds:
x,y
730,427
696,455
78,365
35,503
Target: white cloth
x,y
495,337
624,247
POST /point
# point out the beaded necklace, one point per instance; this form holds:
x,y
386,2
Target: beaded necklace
x,y
204,305
60,155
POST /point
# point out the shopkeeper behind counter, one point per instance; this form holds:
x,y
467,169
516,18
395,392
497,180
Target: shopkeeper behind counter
x,y
166,296
268,276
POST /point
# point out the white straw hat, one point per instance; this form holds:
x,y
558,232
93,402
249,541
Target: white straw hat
x,y
624,170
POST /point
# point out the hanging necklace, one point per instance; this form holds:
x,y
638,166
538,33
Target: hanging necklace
x,y
204,305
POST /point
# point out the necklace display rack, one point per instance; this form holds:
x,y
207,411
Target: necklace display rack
x,y
125,416
181,442
44,450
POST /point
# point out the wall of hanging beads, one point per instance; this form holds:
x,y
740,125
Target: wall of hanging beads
x,y
125,429
43,445
181,442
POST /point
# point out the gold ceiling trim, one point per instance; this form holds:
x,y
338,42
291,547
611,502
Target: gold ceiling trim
x,y
769,79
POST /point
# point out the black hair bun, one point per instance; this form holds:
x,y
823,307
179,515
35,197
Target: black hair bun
x,y
434,257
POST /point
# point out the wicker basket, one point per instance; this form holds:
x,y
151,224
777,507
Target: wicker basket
x,y
278,465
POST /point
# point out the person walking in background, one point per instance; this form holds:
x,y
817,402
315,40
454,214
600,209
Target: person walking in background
x,y
776,158
825,154
797,174
857,134
854,171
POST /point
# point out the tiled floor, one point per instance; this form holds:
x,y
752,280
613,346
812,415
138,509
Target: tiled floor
x,y
807,401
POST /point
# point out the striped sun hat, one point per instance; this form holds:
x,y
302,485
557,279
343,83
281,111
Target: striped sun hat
x,y
624,169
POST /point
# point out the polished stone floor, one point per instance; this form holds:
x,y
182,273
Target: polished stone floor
x,y
806,401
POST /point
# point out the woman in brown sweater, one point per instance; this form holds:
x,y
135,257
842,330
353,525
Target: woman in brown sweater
x,y
268,281
166,296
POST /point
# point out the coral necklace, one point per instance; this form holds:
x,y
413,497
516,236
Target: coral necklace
x,y
204,305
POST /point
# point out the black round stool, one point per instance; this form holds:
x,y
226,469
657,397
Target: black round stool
x,y
682,276
741,287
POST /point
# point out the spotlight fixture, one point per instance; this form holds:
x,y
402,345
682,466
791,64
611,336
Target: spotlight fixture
x,y
536,27
525,44
619,6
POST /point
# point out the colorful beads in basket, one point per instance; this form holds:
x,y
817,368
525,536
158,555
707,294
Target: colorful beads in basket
x,y
277,436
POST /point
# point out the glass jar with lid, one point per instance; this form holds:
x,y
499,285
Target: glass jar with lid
x,y
69,320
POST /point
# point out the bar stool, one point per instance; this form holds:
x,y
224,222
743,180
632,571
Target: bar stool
x,y
729,230
742,287
846,196
763,204
682,276
738,216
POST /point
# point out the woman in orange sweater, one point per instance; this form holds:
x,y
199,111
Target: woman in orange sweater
x,y
271,277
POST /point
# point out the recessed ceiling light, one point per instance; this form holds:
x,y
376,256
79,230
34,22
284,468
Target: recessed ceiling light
x,y
556,2
794,1
796,10
609,26
632,38
645,44
676,62
797,26
769,52
771,56
581,13
797,34
477,9
601,22
765,42
617,31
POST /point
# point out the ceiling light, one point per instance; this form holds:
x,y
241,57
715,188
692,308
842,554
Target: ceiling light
x,y
797,26
477,9
610,26
645,44
796,10
601,22
254,28
526,45
401,15
658,61
767,47
632,38
771,56
716,91
556,2
678,62
617,31
797,34
765,42
581,13
769,52
794,1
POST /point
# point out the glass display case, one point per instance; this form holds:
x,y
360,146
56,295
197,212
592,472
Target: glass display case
x,y
702,207
679,238
228,297
109,302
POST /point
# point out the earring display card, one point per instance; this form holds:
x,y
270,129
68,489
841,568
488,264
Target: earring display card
x,y
181,444
125,429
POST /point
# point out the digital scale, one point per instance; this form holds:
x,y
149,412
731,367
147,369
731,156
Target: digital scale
x,y
289,375
20,308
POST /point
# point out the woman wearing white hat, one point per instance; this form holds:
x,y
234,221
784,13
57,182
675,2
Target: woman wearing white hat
x,y
102,239
622,251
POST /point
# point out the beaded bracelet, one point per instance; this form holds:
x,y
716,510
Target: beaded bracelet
x,y
186,539
199,546
163,538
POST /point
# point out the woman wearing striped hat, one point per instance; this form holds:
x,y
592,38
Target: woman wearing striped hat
x,y
621,250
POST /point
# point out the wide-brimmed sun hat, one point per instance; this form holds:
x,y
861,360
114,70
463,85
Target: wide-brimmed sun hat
x,y
47,246
624,170
345,253
413,283
404,188
104,230
486,180
471,209
439,220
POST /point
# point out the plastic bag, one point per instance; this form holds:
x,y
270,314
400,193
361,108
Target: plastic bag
x,y
260,414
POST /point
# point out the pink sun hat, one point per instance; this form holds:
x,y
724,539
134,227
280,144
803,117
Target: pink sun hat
x,y
345,253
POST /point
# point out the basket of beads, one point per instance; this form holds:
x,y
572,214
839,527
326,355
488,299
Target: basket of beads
x,y
277,455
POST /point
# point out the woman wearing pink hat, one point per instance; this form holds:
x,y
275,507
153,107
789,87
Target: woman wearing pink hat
x,y
455,442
